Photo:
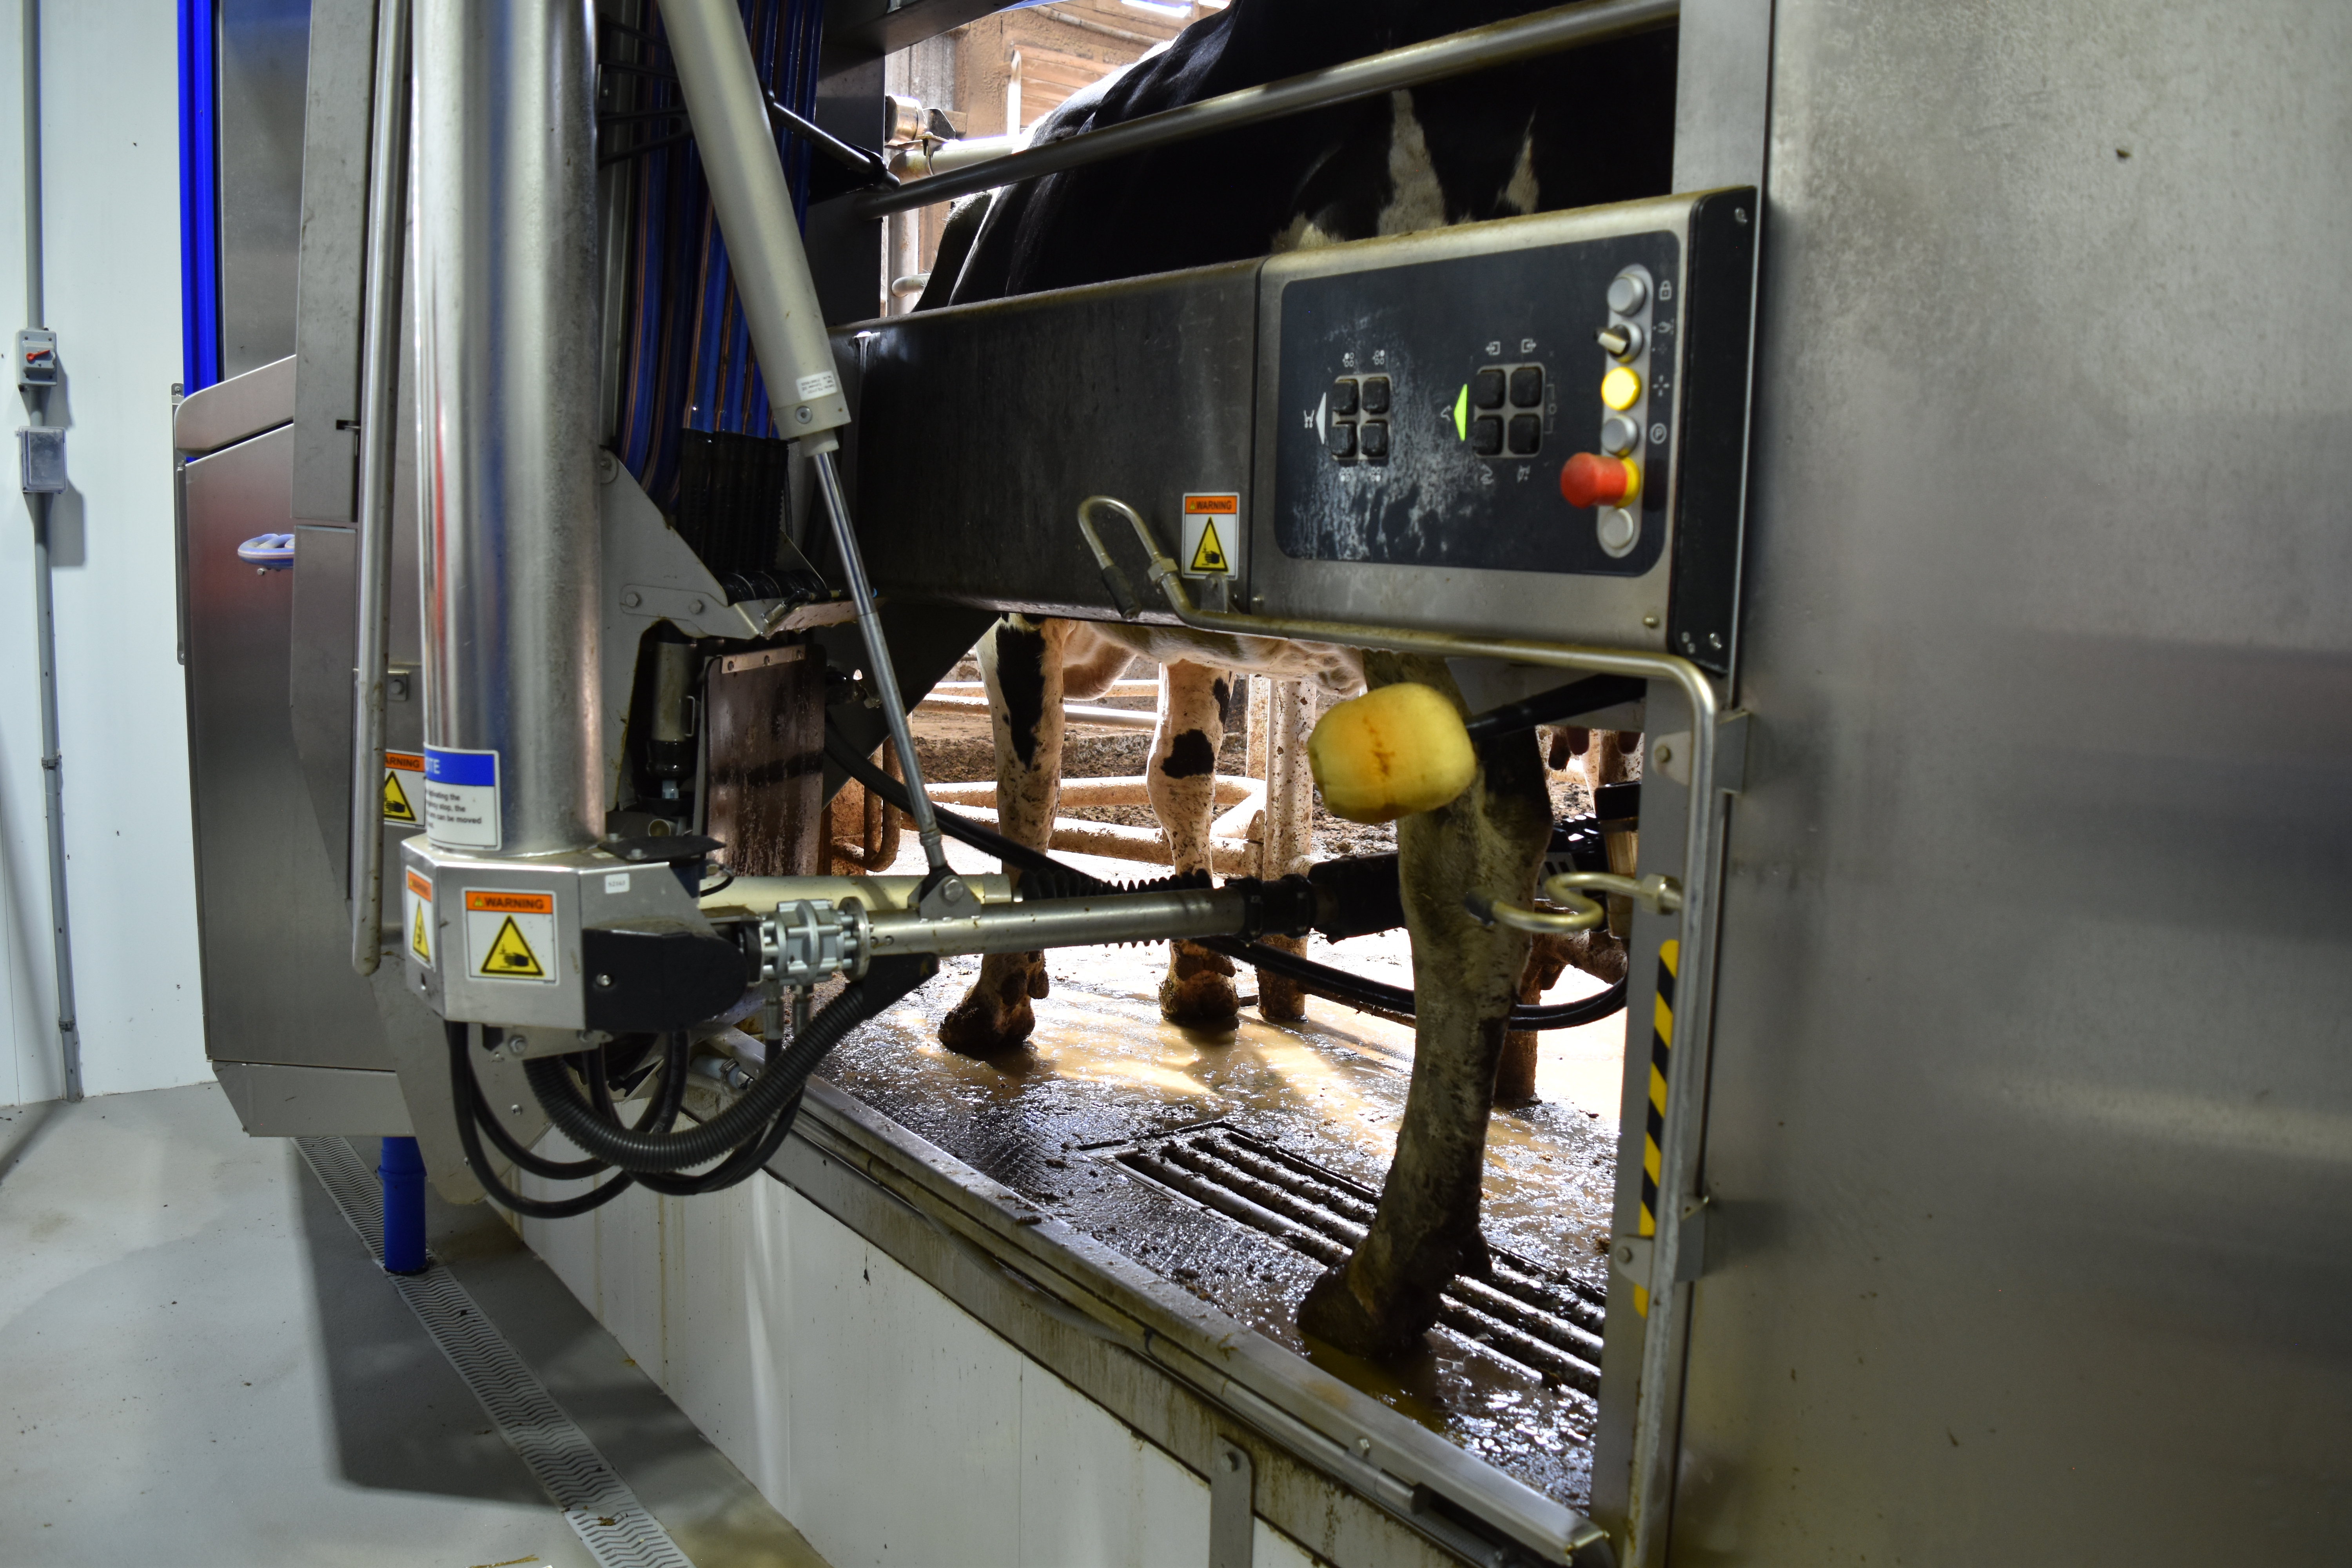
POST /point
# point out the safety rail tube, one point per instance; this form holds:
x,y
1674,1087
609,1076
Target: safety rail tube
x,y
1658,1402
1456,54
387,225
507,297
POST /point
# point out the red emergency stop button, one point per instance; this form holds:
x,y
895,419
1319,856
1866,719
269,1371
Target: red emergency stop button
x,y
1589,479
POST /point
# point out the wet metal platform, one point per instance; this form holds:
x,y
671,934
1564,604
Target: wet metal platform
x,y
1239,1166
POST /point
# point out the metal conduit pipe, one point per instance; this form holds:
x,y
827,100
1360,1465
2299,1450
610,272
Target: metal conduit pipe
x,y
508,298
1456,54
387,217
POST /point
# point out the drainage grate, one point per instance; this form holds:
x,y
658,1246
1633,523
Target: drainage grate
x,y
1519,1311
596,1503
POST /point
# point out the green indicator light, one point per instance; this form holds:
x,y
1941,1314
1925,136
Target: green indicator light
x,y
1462,414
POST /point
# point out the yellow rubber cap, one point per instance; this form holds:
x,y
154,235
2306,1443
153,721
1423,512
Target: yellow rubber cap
x,y
1391,753
1621,389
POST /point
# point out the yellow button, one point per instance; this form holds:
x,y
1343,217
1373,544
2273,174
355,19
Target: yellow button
x,y
1621,388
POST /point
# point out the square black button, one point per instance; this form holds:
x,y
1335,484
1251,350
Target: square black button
x,y
1527,435
1375,438
1341,441
1486,435
1527,386
1343,395
1376,395
1486,389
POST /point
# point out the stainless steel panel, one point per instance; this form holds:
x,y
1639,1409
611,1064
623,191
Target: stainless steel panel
x,y
1000,417
278,985
2030,1137
276,1101
232,410
319,679
334,229
261,55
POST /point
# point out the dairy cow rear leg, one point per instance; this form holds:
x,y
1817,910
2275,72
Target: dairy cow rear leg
x,y
1196,704
1491,841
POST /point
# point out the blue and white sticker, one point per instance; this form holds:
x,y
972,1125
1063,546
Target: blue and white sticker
x,y
461,798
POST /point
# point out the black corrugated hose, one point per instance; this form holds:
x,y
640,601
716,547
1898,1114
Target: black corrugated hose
x,y
744,1138
1352,989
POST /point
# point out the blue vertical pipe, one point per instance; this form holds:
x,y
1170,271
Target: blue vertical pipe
x,y
401,1169
199,347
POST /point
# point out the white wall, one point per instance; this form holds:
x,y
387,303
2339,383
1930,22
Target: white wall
x,y
110,194
887,1423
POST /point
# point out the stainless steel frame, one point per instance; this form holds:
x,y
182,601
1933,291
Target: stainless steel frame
x,y
1458,53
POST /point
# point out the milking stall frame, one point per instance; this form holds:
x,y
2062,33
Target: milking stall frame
x,y
1916,496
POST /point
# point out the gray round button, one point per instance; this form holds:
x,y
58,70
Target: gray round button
x,y
1619,435
1627,293
1618,529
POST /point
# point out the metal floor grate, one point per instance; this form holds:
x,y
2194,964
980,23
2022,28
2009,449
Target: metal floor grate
x,y
1519,1311
598,1505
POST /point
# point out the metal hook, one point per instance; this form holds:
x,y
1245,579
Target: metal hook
x,y
1656,892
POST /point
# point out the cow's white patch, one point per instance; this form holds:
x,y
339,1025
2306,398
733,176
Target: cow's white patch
x,y
1519,193
1416,201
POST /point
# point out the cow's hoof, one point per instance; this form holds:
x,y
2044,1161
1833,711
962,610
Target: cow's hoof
x,y
996,1015
1198,992
1333,1313
1515,1075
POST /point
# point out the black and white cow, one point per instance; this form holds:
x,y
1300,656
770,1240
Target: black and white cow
x,y
1571,130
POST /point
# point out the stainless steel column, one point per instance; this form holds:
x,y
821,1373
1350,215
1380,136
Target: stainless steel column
x,y
507,297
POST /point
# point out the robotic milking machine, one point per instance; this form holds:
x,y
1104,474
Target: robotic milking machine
x,y
1381,517
1518,447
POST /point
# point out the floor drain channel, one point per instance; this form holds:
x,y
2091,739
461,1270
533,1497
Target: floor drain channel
x,y
596,1503
1549,1325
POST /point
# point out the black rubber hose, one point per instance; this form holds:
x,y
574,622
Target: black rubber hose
x,y
1352,988
1558,706
461,1081
785,1073
486,1115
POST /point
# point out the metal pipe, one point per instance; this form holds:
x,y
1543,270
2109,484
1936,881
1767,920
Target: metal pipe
x,y
728,111
882,678
1163,916
53,786
1456,54
507,294
378,439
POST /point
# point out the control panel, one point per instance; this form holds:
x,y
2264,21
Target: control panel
x,y
1531,428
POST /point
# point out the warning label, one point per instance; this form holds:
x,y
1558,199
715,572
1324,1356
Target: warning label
x,y
461,798
416,901
403,786
510,936
1212,533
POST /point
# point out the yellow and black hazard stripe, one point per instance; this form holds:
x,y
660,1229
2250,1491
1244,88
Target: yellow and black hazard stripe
x,y
1662,1045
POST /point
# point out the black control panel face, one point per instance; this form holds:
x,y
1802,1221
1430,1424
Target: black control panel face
x,y
1427,410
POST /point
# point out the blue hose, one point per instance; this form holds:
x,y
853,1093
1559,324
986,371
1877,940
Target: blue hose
x,y
401,1171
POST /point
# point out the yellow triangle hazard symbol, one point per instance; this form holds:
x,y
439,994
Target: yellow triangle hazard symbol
x,y
509,954
396,799
418,942
1210,555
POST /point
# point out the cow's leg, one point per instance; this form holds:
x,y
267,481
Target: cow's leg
x,y
1465,977
1195,702
1021,663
